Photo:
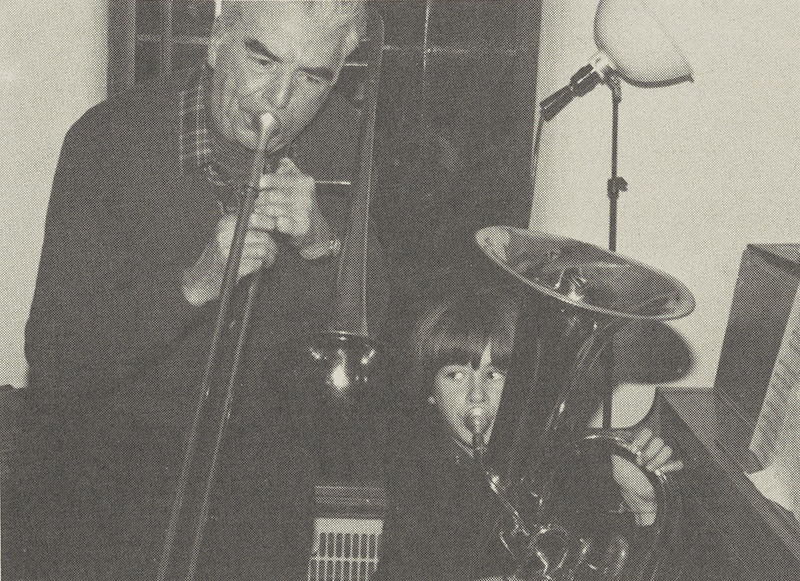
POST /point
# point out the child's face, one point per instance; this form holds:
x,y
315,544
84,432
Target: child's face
x,y
458,388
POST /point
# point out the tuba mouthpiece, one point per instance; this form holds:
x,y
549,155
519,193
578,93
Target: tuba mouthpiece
x,y
477,420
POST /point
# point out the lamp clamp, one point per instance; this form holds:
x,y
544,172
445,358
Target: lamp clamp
x,y
615,186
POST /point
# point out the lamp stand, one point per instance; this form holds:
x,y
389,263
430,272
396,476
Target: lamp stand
x,y
616,184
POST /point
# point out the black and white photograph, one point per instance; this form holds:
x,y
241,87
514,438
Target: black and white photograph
x,y
391,290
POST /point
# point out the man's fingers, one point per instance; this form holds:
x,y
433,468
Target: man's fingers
x,y
285,224
226,227
287,200
275,210
259,250
257,235
287,166
263,222
288,181
279,222
256,240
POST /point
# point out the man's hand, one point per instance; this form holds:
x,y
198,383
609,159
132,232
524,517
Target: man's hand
x,y
637,491
288,201
203,282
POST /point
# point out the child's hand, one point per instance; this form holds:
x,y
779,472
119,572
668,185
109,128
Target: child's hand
x,y
637,491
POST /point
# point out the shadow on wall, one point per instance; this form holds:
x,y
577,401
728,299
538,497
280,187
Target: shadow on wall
x,y
651,352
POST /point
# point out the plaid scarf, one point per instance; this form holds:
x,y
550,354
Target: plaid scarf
x,y
196,143
194,140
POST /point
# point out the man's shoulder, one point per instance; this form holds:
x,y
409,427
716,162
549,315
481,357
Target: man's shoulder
x,y
132,116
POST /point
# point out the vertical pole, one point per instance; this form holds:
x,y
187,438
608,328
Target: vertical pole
x,y
424,118
425,63
527,30
615,185
121,45
165,38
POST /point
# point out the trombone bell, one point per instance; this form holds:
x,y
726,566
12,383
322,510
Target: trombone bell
x,y
345,363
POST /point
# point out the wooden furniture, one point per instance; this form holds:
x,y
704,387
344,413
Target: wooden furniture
x,y
736,533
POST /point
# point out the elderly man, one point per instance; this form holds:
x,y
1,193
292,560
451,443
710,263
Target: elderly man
x,y
138,231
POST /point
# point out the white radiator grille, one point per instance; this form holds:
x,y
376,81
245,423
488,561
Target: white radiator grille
x,y
345,549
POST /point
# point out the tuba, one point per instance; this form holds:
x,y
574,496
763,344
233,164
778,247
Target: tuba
x,y
563,515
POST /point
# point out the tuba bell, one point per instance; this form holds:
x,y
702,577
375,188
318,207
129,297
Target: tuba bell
x,y
562,513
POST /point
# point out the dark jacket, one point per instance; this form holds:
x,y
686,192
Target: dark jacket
x,y
444,522
116,357
442,515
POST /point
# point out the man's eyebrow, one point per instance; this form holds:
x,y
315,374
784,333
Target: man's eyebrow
x,y
254,45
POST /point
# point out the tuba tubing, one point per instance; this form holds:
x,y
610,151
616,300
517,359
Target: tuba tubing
x,y
526,529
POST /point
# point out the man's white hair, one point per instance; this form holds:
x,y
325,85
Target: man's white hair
x,y
335,14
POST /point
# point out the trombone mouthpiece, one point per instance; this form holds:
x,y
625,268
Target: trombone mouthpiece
x,y
477,420
268,127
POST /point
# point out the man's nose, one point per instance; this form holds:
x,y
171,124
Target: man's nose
x,y
477,389
280,91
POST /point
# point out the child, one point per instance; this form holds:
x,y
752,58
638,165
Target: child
x,y
442,512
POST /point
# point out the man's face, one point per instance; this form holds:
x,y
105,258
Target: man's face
x,y
276,60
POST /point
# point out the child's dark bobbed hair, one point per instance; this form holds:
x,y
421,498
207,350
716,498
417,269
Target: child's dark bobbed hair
x,y
455,329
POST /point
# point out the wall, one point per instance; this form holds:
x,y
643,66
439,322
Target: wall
x,y
711,165
52,68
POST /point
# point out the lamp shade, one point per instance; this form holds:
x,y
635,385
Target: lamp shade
x,y
637,45
632,45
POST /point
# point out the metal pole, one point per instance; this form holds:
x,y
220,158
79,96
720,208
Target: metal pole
x,y
165,39
616,184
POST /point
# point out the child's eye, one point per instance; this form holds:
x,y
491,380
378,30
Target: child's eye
x,y
497,375
455,373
